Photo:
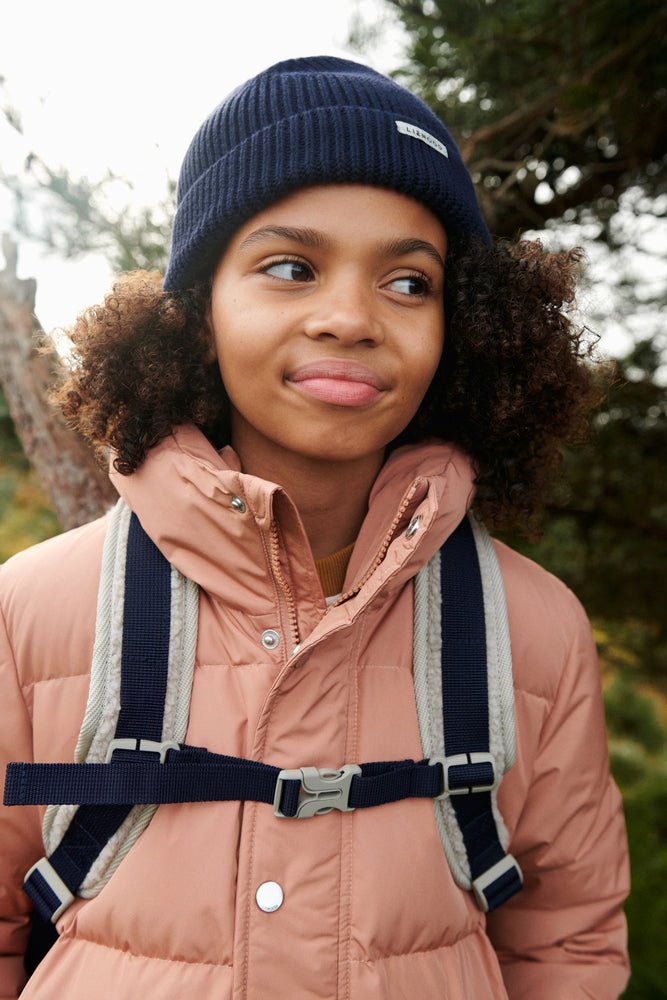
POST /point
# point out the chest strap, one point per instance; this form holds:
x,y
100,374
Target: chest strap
x,y
192,774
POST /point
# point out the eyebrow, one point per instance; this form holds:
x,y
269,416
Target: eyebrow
x,y
401,248
307,237
319,241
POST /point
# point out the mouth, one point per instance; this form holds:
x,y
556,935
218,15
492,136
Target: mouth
x,y
340,383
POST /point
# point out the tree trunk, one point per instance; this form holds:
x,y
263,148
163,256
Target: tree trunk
x,y
77,488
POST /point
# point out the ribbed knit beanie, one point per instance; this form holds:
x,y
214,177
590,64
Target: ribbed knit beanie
x,y
319,120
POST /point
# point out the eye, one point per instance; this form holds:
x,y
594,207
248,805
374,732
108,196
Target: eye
x,y
289,270
413,285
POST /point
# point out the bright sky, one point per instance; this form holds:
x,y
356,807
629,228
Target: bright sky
x,y
124,86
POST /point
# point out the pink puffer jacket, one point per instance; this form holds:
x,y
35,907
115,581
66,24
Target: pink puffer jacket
x,y
370,908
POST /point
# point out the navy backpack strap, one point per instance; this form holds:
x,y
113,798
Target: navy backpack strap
x,y
463,688
146,630
470,767
52,883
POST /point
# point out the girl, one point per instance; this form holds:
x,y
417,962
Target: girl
x,y
338,365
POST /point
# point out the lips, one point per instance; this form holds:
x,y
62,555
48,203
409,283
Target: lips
x,y
341,383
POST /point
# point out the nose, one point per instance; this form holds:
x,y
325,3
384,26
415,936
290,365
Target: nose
x,y
345,310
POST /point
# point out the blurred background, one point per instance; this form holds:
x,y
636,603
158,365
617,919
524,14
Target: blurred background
x,y
560,107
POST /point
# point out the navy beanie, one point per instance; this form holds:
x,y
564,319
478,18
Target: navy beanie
x,y
319,120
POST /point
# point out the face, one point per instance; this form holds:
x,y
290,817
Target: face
x,y
328,323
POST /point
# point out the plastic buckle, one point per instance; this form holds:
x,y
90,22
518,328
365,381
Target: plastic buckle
x,y
321,790
464,760
145,746
493,874
47,872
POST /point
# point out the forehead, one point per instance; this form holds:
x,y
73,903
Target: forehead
x,y
345,212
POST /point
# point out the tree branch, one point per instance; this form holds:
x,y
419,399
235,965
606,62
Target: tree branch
x,y
77,488
530,113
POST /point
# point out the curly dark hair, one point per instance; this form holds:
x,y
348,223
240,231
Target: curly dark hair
x,y
513,386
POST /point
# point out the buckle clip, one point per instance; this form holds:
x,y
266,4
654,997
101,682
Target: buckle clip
x,y
493,874
145,746
464,760
47,872
321,790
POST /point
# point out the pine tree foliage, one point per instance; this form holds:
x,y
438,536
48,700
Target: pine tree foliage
x,y
557,104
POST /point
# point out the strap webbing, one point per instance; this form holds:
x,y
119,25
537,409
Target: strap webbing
x,y
465,703
464,682
146,629
194,775
145,662
83,842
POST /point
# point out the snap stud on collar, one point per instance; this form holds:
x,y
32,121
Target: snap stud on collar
x,y
413,527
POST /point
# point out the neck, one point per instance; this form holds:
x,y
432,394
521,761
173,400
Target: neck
x,y
331,497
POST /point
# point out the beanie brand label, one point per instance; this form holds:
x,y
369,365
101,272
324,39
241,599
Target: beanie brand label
x,y
418,133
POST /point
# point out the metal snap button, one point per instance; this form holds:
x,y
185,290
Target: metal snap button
x,y
413,527
238,505
270,639
269,897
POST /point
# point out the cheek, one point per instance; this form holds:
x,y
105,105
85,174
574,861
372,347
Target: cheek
x,y
233,344
431,354
436,356
249,380
422,365
239,375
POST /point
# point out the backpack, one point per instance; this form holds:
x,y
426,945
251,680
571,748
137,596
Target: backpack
x,y
130,756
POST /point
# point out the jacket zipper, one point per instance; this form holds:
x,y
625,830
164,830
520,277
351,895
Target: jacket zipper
x,y
285,596
382,551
